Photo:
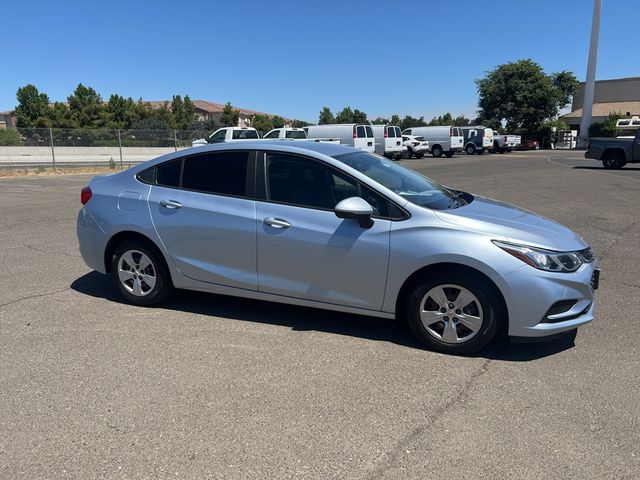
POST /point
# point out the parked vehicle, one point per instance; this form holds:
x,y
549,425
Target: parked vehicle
x,y
529,145
503,143
477,139
332,227
286,133
350,134
388,141
442,140
228,134
614,152
415,146
627,127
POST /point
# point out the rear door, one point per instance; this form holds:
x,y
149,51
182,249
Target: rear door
x,y
457,139
304,250
204,213
363,138
487,139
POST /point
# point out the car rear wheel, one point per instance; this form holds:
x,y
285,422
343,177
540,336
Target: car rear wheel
x,y
613,160
470,149
436,151
454,313
140,273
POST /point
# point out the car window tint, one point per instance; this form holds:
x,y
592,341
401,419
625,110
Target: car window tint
x,y
273,134
222,173
168,174
391,132
302,182
147,176
295,134
398,132
369,131
360,131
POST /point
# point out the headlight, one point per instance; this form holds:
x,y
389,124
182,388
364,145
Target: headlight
x,y
548,260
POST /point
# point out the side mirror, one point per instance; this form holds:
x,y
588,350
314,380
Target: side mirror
x,y
355,208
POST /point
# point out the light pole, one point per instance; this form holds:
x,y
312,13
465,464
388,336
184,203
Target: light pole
x,y
589,86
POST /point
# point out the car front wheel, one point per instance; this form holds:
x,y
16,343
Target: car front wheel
x,y
140,273
613,160
436,151
455,313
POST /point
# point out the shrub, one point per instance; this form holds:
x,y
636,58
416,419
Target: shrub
x,y
9,137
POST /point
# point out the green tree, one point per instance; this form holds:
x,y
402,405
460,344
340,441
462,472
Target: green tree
x,y
262,123
299,123
32,105
326,116
408,121
230,116
9,137
278,121
345,116
607,128
87,108
184,111
395,120
461,121
522,95
359,117
380,121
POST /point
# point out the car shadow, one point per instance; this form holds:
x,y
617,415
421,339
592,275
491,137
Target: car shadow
x,y
299,318
582,167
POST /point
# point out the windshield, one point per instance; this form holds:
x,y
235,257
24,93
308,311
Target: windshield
x,y
295,134
407,183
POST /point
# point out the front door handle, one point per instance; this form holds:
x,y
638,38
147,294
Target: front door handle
x,y
170,204
276,222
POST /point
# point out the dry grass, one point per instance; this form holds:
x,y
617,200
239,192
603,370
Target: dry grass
x,y
40,171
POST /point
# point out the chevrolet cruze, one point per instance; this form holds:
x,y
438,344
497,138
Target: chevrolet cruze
x,y
332,227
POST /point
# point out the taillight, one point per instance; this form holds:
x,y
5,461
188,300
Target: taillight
x,y
354,133
85,195
386,133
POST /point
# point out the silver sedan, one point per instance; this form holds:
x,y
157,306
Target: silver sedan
x,y
332,227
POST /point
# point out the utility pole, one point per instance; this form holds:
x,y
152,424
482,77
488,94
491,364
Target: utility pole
x,y
589,86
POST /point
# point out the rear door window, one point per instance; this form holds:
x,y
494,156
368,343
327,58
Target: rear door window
x,y
391,132
222,173
360,131
369,131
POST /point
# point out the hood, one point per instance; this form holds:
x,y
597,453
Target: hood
x,y
512,224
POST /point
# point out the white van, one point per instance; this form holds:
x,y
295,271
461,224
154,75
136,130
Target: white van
x,y
442,140
388,140
351,134
286,133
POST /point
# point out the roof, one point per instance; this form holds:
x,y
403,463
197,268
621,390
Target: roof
x,y
604,109
210,107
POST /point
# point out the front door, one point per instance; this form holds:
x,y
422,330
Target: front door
x,y
304,250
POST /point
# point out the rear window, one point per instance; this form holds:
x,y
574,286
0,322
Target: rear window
x,y
398,132
369,131
455,132
244,134
360,131
295,134
391,132
223,173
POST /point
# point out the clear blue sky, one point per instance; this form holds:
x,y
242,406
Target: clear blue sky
x,y
292,58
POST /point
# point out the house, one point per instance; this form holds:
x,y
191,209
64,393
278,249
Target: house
x,y
8,119
620,95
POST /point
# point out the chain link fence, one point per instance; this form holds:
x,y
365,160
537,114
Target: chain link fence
x,y
51,147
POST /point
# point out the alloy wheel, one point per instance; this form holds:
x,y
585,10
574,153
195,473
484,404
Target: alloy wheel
x,y
136,273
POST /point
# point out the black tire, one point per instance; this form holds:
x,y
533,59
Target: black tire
x,y
436,151
470,149
163,286
613,160
419,155
449,154
488,297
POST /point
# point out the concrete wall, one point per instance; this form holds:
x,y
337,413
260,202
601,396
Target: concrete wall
x,y
37,155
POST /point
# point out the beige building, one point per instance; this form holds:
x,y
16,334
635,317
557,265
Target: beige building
x,y
621,95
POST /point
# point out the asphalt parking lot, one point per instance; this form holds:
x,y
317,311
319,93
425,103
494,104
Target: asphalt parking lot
x,y
216,387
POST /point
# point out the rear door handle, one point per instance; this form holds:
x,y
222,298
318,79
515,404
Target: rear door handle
x,y
170,204
276,222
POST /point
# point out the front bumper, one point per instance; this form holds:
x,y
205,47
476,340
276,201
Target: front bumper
x,y
530,294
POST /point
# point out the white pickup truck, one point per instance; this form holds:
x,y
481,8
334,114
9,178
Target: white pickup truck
x,y
228,134
286,133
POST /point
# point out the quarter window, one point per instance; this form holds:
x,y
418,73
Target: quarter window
x,y
168,174
223,173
